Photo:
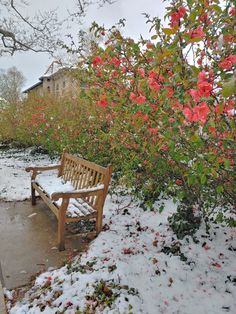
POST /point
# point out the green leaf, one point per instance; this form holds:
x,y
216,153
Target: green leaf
x,y
226,163
191,180
169,31
219,189
220,217
203,179
193,15
161,208
231,222
229,88
193,40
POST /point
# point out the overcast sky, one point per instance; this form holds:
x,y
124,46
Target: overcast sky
x,y
33,65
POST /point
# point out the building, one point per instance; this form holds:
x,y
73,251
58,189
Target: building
x,y
57,80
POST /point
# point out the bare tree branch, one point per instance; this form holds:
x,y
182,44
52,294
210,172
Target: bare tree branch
x,y
39,33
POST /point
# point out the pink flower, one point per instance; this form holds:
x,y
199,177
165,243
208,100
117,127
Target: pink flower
x,y
228,62
195,95
152,74
174,19
204,18
170,91
204,89
140,99
164,147
103,103
202,76
97,60
115,61
149,45
141,72
197,114
154,85
153,131
203,111
197,33
154,107
132,96
232,58
181,11
212,130
188,114
232,11
176,16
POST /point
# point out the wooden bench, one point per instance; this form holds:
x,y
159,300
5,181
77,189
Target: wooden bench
x,y
76,192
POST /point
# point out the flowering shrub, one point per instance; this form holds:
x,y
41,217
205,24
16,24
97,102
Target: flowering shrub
x,y
167,106
162,111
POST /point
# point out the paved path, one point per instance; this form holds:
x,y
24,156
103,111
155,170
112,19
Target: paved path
x,y
28,242
2,303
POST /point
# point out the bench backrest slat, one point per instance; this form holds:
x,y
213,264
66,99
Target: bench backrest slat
x,y
83,174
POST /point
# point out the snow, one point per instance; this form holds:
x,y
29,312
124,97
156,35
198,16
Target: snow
x,y
15,182
127,258
52,184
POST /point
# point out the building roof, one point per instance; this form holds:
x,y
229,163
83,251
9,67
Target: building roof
x,y
32,87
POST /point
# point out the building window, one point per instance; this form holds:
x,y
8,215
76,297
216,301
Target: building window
x,y
48,89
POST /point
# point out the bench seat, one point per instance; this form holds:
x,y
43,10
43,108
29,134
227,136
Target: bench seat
x,y
77,207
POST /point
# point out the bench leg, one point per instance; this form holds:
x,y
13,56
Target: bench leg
x,y
99,222
33,197
61,234
61,225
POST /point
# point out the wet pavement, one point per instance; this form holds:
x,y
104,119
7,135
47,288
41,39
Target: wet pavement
x,y
28,242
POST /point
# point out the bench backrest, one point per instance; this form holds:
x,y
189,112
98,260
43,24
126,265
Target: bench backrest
x,y
84,174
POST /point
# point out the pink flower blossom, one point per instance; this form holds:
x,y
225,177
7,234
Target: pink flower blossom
x,y
195,95
132,96
141,72
115,61
140,99
97,60
228,63
197,33
154,85
153,131
197,114
103,103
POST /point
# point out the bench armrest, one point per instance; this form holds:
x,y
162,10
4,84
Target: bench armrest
x,y
46,168
78,193
37,170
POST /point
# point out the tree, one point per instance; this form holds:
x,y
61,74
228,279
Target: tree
x,y
11,83
41,32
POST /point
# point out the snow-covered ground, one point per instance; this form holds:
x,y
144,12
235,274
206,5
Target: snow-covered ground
x,y
129,267
14,181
